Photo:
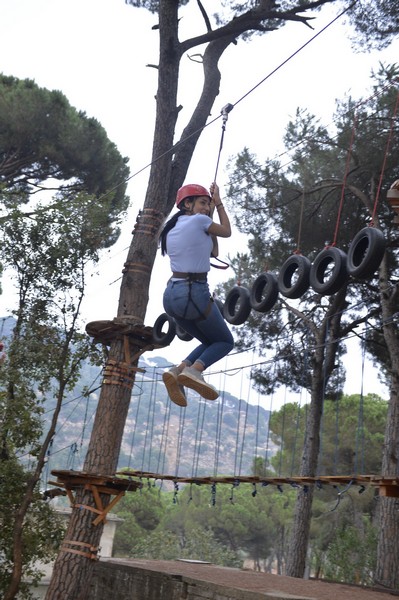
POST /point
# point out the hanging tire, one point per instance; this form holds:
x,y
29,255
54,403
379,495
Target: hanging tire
x,y
328,272
163,338
264,292
298,266
237,306
366,252
182,334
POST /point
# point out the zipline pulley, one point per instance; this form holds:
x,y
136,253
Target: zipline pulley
x,y
225,112
225,115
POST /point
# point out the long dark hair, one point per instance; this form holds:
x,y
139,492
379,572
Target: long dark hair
x,y
172,222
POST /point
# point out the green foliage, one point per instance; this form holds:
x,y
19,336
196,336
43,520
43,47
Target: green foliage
x,y
48,254
146,532
351,437
43,138
220,526
200,544
41,533
376,23
350,557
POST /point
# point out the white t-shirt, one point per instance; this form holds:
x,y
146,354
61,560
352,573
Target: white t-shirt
x,y
189,245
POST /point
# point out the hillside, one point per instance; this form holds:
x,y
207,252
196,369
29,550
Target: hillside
x,y
205,438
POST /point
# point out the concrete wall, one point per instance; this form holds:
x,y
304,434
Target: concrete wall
x,y
129,582
124,582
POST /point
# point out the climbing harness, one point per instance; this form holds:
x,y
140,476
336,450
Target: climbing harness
x,y
191,278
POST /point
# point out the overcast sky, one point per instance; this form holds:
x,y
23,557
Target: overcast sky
x,y
96,52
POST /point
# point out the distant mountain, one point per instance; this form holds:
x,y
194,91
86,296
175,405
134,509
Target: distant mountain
x,y
204,439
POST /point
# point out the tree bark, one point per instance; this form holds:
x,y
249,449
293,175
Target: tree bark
x,y
387,571
323,359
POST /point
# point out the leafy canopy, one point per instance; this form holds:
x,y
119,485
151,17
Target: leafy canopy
x,y
43,138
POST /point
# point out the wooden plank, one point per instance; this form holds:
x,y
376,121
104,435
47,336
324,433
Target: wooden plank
x,y
389,491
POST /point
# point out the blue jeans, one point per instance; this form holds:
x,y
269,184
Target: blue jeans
x,y
188,304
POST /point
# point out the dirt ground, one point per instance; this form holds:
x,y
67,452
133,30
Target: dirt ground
x,y
277,585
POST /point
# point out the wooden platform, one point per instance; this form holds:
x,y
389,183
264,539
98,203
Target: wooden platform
x,y
97,484
105,332
388,486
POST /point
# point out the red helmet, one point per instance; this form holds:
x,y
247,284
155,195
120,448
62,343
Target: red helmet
x,y
191,189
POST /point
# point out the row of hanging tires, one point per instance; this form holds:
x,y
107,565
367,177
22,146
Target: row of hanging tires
x,y
328,273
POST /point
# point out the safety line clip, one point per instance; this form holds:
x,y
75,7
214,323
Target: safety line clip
x,y
225,111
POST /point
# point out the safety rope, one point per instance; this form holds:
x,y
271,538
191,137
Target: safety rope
x,y
151,423
303,387
135,421
298,247
198,437
179,446
336,433
150,410
327,341
388,144
225,114
348,159
359,446
267,448
164,438
218,437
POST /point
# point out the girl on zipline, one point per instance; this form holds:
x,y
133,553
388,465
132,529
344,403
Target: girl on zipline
x,y
189,238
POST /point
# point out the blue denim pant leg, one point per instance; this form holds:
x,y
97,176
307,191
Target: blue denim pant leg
x,y
212,331
214,334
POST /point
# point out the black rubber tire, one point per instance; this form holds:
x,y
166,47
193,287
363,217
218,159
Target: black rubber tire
x,y
182,334
238,295
366,252
158,336
264,292
299,265
336,278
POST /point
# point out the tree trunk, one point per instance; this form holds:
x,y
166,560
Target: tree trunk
x,y
296,559
387,568
323,359
72,570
